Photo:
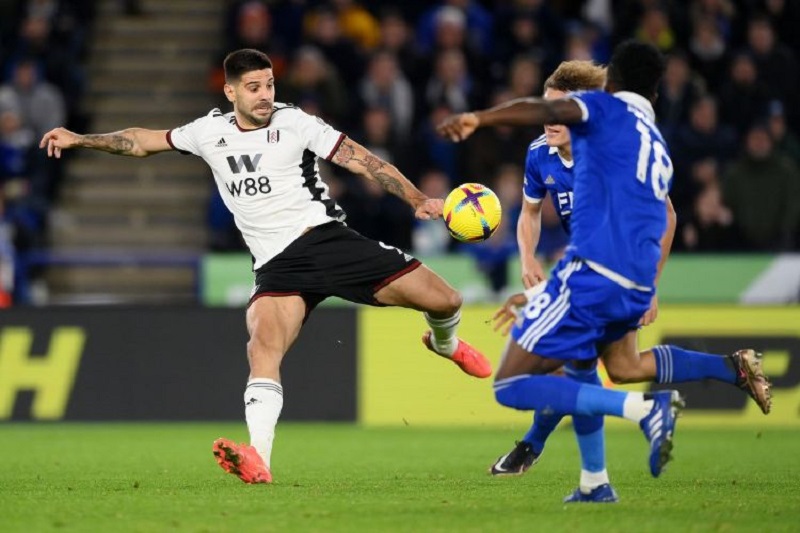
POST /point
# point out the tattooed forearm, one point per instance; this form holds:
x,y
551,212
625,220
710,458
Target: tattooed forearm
x,y
359,160
391,184
115,143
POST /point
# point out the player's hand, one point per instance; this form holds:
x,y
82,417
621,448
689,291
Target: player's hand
x,y
58,139
532,273
651,314
429,209
458,127
505,316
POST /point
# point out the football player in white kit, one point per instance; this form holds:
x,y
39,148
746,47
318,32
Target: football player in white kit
x,y
263,156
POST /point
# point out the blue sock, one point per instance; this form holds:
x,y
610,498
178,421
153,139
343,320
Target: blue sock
x,y
554,394
589,429
543,425
676,365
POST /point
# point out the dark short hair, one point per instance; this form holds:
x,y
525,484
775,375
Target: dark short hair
x,y
637,67
243,61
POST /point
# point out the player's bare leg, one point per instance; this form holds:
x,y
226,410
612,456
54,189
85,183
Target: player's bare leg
x,y
273,324
425,291
671,364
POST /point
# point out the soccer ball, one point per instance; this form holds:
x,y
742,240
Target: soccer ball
x,y
472,212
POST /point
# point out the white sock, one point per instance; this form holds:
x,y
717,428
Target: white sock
x,y
263,401
635,407
592,480
443,338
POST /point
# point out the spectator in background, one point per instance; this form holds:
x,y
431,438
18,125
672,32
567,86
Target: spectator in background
x,y
708,52
357,24
776,63
385,86
587,42
451,36
489,148
41,107
250,25
16,143
451,84
475,22
675,96
323,30
53,36
704,137
526,37
525,77
397,38
762,188
710,227
654,28
377,135
720,12
7,258
743,97
313,85
432,239
433,151
783,15
39,103
786,142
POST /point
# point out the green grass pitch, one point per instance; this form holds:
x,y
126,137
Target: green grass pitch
x,y
162,477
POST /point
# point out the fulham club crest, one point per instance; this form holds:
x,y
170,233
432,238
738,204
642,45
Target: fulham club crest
x,y
273,136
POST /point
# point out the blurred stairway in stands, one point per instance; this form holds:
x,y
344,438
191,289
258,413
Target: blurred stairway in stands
x,y
131,229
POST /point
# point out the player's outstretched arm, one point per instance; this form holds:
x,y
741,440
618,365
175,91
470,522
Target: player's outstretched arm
x,y
136,142
519,112
529,230
361,161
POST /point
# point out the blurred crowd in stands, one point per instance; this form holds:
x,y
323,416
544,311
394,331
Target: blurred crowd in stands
x,y
385,75
43,44
386,72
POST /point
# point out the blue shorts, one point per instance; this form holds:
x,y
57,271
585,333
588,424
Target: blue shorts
x,y
577,310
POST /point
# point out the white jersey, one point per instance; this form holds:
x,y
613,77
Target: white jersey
x,y
268,177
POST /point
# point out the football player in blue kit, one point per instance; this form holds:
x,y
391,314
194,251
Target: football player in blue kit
x,y
549,169
605,283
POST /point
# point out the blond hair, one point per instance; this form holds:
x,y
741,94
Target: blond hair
x,y
576,76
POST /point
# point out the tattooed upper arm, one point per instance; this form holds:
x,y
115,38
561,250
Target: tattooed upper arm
x,y
345,153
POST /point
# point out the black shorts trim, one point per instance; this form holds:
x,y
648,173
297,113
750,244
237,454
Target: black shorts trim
x,y
333,260
410,268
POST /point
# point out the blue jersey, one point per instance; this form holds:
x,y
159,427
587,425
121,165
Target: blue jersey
x,y
545,172
623,174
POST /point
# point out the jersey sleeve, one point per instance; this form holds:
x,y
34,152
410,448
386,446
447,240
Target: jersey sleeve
x,y
533,188
593,108
319,136
186,139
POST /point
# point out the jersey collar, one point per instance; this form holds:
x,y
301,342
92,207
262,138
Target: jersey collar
x,y
554,150
638,101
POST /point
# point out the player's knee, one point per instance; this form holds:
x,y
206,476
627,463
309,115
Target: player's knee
x,y
506,394
445,304
452,302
